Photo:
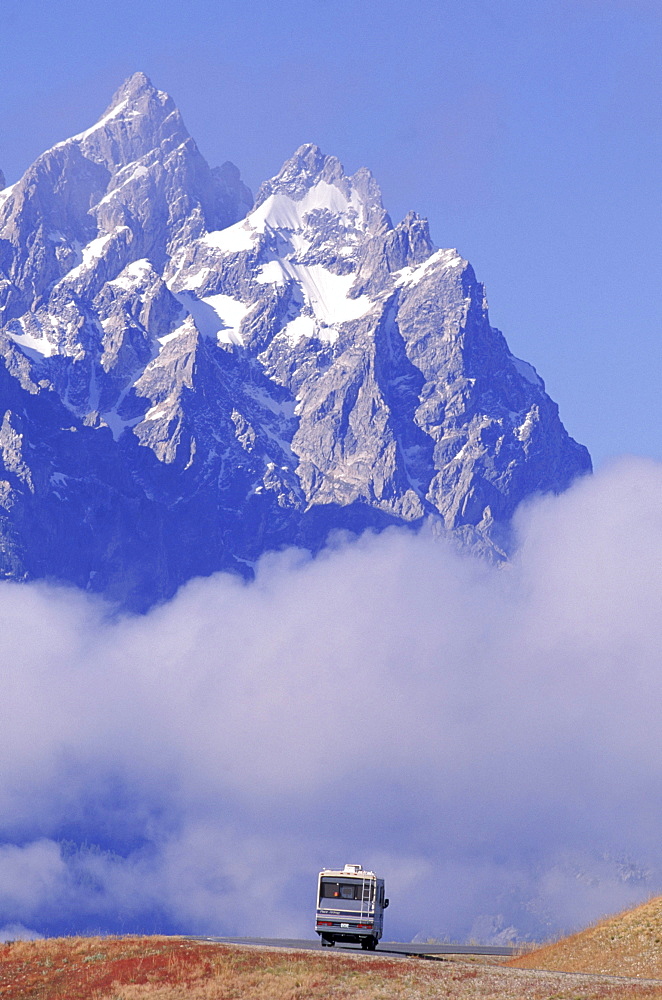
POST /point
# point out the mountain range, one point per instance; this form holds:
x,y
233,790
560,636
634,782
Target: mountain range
x,y
191,376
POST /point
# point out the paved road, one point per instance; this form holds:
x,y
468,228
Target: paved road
x,y
384,947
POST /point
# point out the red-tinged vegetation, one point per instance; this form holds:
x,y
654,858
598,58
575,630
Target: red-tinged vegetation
x,y
161,968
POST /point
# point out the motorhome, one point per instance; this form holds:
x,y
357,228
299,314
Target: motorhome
x,y
350,906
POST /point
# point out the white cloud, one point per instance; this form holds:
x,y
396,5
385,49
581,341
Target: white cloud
x,y
488,739
17,932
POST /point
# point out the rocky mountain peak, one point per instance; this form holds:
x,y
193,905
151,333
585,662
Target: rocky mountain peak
x,y
188,382
320,181
132,186
304,170
139,120
136,89
390,250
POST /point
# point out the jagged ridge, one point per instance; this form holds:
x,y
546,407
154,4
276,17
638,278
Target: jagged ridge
x,y
190,379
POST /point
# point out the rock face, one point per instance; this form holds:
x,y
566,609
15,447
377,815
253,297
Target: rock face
x,y
189,378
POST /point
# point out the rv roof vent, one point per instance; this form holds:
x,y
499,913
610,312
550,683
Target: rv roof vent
x,y
353,869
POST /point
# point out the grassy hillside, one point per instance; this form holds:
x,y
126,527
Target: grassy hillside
x,y
159,968
628,944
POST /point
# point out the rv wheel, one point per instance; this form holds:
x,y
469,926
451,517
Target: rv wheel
x,y
327,942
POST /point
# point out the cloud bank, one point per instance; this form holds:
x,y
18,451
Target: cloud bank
x,y
487,739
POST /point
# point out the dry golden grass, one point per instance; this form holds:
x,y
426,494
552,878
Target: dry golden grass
x,y
628,944
160,968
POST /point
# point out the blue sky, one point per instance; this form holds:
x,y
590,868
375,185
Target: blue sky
x,y
528,133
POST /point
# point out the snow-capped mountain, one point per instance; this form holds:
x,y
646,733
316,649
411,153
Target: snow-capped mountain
x,y
190,378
